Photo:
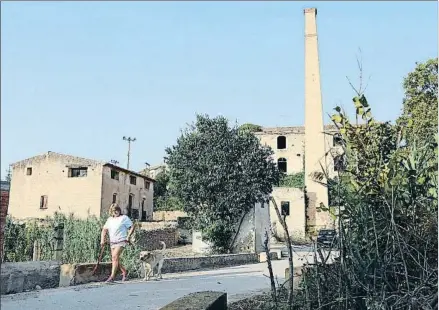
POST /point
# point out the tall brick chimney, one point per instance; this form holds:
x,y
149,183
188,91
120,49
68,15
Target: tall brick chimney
x,y
314,136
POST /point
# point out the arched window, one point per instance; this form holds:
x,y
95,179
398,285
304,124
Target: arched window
x,y
282,165
281,142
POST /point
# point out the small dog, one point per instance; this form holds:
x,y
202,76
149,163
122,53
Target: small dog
x,y
152,259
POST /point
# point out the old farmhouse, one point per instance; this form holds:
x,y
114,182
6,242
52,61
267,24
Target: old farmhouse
x,y
53,182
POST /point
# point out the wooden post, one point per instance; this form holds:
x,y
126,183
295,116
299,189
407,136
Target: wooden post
x,y
59,241
37,251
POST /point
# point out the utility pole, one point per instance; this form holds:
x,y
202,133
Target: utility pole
x,y
129,139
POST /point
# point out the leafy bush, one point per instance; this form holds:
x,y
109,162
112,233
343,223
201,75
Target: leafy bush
x,y
163,198
388,224
295,180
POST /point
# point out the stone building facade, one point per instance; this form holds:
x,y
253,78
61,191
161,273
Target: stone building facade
x,y
53,182
288,145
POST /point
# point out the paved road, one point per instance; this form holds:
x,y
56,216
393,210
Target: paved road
x,y
238,282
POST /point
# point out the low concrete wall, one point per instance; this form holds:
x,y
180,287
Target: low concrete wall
x,y
180,264
27,276
200,301
74,274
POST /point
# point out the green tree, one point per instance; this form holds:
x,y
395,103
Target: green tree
x,y
163,198
250,127
161,184
219,172
420,105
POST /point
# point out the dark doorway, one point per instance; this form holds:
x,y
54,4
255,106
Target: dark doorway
x,y
285,208
143,211
130,204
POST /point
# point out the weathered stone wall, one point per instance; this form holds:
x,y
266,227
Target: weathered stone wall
x,y
295,148
245,239
184,232
156,225
251,234
150,239
74,274
27,276
49,176
262,225
168,215
296,221
184,229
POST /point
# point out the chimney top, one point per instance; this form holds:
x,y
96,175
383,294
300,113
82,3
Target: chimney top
x,y
310,10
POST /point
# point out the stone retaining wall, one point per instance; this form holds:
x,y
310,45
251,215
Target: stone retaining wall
x,y
75,274
28,276
150,239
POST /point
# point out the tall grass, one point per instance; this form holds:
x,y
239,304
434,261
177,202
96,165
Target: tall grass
x,y
81,241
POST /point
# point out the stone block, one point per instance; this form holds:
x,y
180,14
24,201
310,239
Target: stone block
x,y
75,274
263,256
67,275
199,301
26,276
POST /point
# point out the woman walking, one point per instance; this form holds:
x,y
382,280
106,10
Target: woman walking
x,y
119,228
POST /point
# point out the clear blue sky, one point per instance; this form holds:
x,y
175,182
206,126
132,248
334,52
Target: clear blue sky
x,y
77,76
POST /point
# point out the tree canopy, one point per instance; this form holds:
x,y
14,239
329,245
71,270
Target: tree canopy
x,y
163,198
250,127
420,106
219,172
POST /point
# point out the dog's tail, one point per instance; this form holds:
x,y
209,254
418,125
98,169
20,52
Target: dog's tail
x,y
164,245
